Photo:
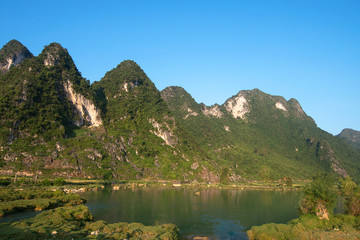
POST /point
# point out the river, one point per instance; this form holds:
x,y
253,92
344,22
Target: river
x,y
215,213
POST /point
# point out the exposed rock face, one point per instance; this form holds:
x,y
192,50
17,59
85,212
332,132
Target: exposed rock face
x,y
129,86
12,54
238,106
335,164
194,166
280,106
213,111
208,175
190,113
84,108
166,135
321,211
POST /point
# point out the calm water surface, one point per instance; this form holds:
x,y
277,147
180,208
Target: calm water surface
x,y
218,214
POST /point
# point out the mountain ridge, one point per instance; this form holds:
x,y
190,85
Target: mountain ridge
x,y
55,123
260,126
351,136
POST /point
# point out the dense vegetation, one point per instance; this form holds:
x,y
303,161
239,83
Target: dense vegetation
x,y
38,131
145,134
133,109
269,143
12,201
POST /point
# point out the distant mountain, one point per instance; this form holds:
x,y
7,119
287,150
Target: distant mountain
x,y
351,136
53,122
255,135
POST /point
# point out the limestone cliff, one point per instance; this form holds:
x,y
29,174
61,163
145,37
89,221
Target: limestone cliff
x,y
83,108
238,106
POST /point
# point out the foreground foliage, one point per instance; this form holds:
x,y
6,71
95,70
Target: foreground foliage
x,y
310,227
12,201
319,197
351,194
77,223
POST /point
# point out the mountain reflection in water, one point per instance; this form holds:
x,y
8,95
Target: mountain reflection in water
x,y
216,213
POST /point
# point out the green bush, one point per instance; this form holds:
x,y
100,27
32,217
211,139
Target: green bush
x,y
46,182
5,181
12,201
351,194
59,182
319,196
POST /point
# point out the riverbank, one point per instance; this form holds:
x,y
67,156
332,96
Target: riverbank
x,y
64,220
77,222
74,185
310,227
199,192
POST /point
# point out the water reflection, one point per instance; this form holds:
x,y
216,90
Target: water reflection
x,y
221,214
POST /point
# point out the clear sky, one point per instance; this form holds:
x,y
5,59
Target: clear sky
x,y
303,49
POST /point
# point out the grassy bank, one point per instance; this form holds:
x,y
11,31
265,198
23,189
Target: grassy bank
x,y
309,227
96,184
64,220
16,200
77,223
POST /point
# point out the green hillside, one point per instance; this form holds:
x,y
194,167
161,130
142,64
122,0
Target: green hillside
x,y
259,136
53,122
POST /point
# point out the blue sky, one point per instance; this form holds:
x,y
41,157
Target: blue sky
x,y
308,50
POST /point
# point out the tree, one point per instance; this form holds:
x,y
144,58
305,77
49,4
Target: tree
x,y
351,194
319,196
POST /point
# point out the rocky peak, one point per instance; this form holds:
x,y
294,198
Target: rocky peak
x,y
296,107
125,79
178,97
55,54
351,136
173,91
12,54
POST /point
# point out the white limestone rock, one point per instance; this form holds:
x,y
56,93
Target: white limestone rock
x,y
84,108
238,106
212,111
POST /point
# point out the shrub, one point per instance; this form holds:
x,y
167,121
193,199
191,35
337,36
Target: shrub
x,y
351,194
319,196
59,182
46,182
5,181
